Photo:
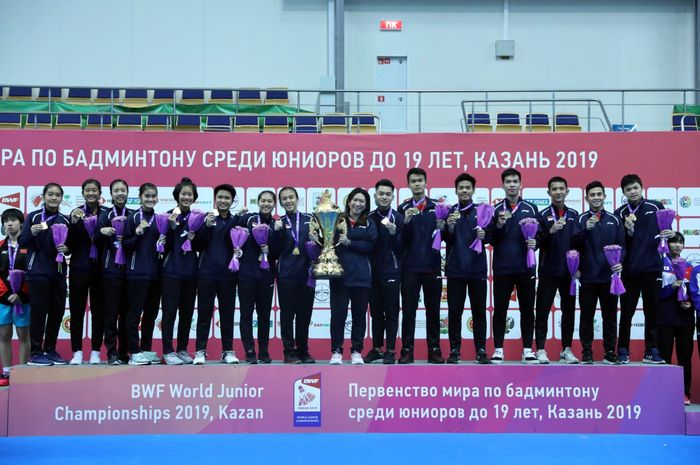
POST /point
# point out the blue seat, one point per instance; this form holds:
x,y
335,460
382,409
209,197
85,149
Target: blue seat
x,y
105,95
38,120
305,123
132,122
275,123
54,91
79,95
157,123
219,123
566,123
251,96
537,122
221,96
187,123
99,122
68,121
192,96
10,120
479,122
19,93
135,97
246,123
363,123
163,96
685,122
277,96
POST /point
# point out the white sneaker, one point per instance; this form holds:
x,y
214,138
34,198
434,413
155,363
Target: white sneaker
x,y
497,356
567,356
152,357
199,358
337,358
528,357
542,357
95,357
77,358
229,357
185,357
172,359
139,359
356,359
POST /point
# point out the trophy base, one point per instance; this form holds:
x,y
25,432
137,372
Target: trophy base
x,y
328,269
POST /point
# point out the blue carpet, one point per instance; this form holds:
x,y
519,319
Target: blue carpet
x,y
339,449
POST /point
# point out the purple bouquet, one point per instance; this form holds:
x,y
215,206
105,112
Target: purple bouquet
x,y
90,224
679,268
60,234
118,223
16,278
194,223
261,232
442,211
239,235
572,261
529,226
313,250
664,218
484,215
162,224
613,254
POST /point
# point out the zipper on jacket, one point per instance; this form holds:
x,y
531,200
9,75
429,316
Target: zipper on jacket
x,y
165,262
133,261
107,258
31,261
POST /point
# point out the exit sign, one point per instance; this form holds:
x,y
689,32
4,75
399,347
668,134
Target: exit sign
x,y
390,25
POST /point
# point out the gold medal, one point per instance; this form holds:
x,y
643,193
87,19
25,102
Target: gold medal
x,y
79,213
295,251
144,224
507,214
44,225
632,217
594,218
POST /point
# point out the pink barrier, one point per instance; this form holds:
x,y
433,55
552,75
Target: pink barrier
x,y
4,406
261,399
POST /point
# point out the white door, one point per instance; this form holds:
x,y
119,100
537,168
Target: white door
x,y
392,107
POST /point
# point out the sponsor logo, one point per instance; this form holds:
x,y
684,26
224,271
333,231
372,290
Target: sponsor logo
x,y
510,324
470,325
685,201
65,324
322,293
11,200
691,232
307,401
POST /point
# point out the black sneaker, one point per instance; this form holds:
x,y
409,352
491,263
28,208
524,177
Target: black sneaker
x,y
406,357
389,357
114,360
611,358
587,358
372,356
454,357
56,358
250,357
482,358
653,356
435,356
292,359
306,358
264,358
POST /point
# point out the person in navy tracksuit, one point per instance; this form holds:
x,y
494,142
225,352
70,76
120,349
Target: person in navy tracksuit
x,y
354,248
114,274
510,266
214,279
46,277
179,276
676,319
296,299
421,269
386,268
598,228
143,277
255,285
642,267
465,270
85,277
558,230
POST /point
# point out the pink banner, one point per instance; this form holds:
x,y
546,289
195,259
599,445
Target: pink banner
x,y
4,405
279,398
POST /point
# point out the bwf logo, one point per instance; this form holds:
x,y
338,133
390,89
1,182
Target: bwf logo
x,y
11,200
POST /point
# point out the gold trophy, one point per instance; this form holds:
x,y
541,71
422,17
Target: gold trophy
x,y
324,223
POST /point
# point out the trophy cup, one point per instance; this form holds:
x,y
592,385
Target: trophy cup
x,y
325,223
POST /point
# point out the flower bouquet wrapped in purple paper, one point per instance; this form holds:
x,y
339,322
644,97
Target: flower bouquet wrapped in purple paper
x,y
529,226
16,278
572,262
118,223
442,211
261,232
60,234
484,215
664,218
680,266
239,235
90,224
313,250
162,224
613,254
195,220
